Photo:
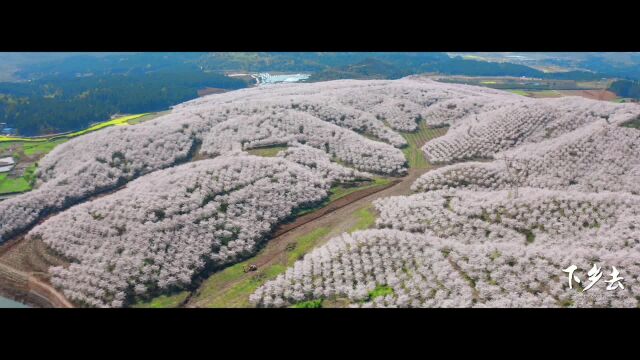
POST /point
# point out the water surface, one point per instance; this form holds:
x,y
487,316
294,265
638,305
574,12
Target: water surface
x,y
7,303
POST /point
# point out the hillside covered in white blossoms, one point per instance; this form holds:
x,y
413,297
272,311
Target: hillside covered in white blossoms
x,y
524,188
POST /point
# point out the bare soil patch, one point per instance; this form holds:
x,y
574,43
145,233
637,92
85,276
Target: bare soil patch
x,y
29,288
604,95
209,90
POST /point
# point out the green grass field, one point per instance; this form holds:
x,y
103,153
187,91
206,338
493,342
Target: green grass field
x,y
26,153
305,243
164,301
41,148
311,304
267,151
366,219
635,124
21,151
339,191
519,92
9,185
413,153
380,290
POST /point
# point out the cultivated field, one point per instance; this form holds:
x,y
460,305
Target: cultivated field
x,y
604,95
416,140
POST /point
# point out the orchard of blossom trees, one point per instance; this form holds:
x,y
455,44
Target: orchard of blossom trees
x,y
329,116
594,158
288,127
526,188
425,271
319,162
94,163
561,187
473,248
510,125
163,228
538,216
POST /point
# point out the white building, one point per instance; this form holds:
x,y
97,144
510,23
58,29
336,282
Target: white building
x,y
6,164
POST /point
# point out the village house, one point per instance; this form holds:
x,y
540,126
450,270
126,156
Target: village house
x,y
6,164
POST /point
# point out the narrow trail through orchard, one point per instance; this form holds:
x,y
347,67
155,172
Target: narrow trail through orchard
x,y
338,220
39,287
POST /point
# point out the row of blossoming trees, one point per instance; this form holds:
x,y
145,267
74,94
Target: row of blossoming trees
x,y
174,217
529,189
355,122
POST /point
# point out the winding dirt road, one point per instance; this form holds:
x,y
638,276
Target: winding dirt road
x,y
38,287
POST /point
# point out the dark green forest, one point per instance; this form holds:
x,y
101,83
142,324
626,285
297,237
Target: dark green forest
x,y
460,66
58,104
393,67
365,69
626,88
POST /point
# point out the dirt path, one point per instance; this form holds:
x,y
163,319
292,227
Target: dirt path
x,y
14,262
275,252
603,95
38,287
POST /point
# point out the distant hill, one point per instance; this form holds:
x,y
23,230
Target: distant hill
x,y
459,66
54,92
396,66
622,65
611,64
79,65
13,62
366,69
60,103
309,61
